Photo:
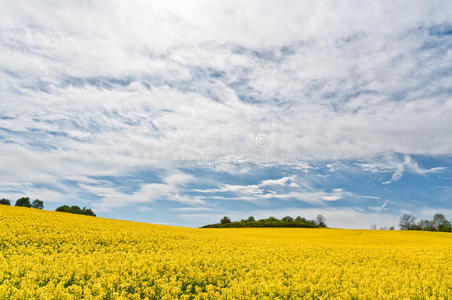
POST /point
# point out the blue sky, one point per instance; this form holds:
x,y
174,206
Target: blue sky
x,y
179,113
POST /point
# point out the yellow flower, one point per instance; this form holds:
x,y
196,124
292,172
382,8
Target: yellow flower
x,y
51,255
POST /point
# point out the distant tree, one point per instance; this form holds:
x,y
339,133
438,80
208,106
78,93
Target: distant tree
x,y
251,219
64,208
287,219
24,202
425,225
407,222
438,220
300,219
373,226
446,226
5,201
440,223
321,221
225,220
76,210
391,228
88,212
37,204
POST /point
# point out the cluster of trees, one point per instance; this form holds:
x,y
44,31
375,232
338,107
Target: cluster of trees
x,y
226,222
76,210
437,223
24,202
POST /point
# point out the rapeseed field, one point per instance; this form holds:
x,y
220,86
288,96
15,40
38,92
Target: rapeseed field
x,y
51,255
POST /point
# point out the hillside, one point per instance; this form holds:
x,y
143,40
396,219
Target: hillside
x,y
59,255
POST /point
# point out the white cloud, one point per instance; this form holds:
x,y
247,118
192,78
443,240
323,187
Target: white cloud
x,y
381,208
333,87
183,209
285,188
279,182
111,197
398,167
144,208
427,213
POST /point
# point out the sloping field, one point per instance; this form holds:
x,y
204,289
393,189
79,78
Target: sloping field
x,y
52,255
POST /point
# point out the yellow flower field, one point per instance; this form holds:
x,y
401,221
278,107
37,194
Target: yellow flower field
x,y
51,255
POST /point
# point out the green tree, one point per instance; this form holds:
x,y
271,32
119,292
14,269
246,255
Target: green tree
x,y
24,202
269,222
251,219
37,204
287,219
300,219
5,201
88,212
446,226
225,220
76,210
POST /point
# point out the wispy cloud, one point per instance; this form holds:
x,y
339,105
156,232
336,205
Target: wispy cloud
x,y
290,188
170,188
398,166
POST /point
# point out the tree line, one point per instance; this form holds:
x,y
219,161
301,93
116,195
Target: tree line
x,y
438,223
76,210
25,202
287,221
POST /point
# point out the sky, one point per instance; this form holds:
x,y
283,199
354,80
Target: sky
x,y
181,112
